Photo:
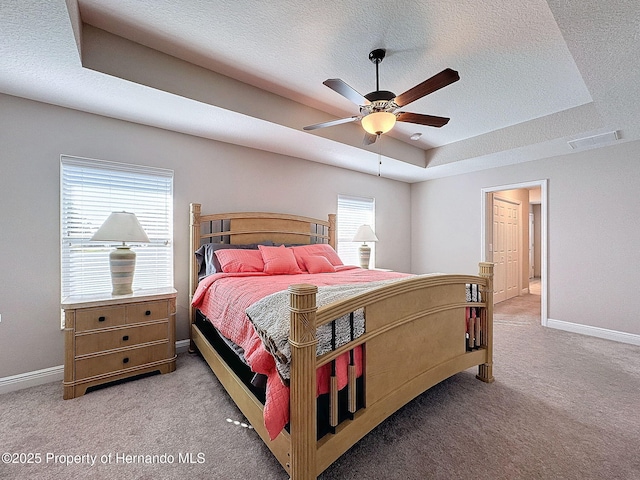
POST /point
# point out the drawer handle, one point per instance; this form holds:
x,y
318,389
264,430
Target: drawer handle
x,y
125,338
148,312
125,360
102,319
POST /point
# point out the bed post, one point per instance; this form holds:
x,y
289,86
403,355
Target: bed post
x,y
302,418
485,370
194,244
332,231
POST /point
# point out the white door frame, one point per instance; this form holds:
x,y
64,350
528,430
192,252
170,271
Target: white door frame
x,y
543,234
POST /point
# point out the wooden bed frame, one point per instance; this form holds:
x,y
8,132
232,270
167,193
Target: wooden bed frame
x,y
422,316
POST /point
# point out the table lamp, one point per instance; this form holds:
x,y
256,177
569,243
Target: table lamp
x,y
365,234
121,227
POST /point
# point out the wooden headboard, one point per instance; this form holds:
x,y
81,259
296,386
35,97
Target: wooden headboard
x,y
253,227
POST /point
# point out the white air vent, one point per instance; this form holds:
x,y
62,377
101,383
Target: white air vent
x,y
594,141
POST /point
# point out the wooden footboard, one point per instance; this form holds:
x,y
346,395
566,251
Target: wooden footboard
x,y
415,337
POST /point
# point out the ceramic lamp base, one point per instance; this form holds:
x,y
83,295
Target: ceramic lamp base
x,y
365,255
122,262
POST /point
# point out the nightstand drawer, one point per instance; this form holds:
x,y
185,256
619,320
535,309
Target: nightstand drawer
x,y
122,337
102,317
143,312
111,363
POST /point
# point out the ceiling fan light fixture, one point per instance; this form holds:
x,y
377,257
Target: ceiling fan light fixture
x,y
377,123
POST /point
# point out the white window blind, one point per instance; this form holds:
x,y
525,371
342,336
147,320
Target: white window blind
x,y
90,191
353,212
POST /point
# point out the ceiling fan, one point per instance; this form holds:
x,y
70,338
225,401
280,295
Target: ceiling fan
x,y
378,109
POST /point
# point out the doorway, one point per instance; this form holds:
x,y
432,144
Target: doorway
x,y
487,236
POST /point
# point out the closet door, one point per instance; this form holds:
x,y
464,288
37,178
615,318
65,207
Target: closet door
x,y
506,254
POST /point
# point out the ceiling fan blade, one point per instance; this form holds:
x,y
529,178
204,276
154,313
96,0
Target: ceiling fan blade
x,y
438,81
369,138
421,119
346,91
331,123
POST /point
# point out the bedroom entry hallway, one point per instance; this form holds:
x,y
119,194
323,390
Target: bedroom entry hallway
x,y
517,243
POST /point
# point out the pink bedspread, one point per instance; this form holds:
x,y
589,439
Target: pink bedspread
x,y
224,297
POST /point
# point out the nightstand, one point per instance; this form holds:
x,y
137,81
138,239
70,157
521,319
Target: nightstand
x,y
110,338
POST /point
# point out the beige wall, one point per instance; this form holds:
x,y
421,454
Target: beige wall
x,y
221,176
593,230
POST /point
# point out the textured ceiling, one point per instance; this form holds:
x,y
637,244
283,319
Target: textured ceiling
x,y
534,74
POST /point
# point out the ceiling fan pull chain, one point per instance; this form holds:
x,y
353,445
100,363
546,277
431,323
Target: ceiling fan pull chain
x,y
379,155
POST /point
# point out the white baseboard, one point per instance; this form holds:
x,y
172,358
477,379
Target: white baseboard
x,y
31,379
51,374
607,334
182,346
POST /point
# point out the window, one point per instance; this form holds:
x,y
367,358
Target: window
x,y
353,212
90,191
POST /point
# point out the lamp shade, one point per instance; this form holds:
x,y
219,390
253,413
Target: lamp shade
x,y
365,234
121,227
377,123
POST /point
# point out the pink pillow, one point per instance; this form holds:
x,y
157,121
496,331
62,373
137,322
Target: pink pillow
x,y
316,249
279,260
318,264
239,261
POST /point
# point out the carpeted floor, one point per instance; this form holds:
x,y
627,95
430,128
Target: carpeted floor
x,y
563,406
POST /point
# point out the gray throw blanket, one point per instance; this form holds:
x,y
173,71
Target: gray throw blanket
x,y
271,318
